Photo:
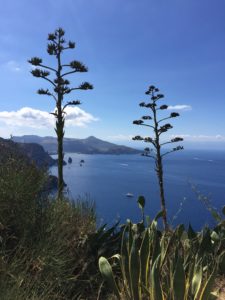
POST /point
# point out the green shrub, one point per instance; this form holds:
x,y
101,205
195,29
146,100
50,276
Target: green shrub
x,y
20,188
45,249
57,265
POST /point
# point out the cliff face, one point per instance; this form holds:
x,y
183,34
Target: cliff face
x,y
37,154
30,152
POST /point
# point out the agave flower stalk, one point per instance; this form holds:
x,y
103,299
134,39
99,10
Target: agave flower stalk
x,y
60,87
158,127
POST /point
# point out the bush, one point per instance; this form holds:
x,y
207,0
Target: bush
x,y
56,264
21,184
45,250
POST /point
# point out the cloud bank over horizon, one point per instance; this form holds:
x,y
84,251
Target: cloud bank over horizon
x,y
34,118
198,138
201,137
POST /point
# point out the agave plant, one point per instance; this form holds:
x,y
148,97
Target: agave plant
x,y
155,265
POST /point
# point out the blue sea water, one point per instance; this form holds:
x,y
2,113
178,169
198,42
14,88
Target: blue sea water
x,y
106,179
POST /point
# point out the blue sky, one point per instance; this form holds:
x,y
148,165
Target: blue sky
x,y
177,45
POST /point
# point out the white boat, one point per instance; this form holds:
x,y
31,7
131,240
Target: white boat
x,y
129,195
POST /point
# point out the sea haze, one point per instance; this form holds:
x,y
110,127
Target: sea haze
x,y
106,179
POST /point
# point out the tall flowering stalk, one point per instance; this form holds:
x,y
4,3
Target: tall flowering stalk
x,y
60,87
158,127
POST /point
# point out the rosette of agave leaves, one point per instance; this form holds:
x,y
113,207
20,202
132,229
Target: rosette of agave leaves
x,y
177,264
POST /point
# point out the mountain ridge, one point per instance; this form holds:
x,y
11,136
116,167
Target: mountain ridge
x,y
89,145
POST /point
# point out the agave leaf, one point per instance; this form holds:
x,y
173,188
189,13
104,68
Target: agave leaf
x,y
187,259
164,255
163,245
117,256
184,237
148,221
126,286
144,258
130,237
215,214
179,281
197,280
206,291
153,224
134,268
146,290
205,244
106,271
189,269
223,210
214,236
220,225
123,242
125,260
106,233
221,261
175,257
101,229
179,231
155,284
159,215
156,249
191,232
138,228
141,202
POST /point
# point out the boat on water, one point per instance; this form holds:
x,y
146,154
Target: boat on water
x,y
129,195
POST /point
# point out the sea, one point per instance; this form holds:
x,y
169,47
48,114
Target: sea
x,y
194,181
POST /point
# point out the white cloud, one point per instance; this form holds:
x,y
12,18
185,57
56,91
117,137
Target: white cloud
x,y
201,137
13,66
78,117
180,107
34,118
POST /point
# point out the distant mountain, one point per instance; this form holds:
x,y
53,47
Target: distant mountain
x,y
90,145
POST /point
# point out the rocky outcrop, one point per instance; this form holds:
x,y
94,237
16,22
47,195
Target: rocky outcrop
x,y
37,154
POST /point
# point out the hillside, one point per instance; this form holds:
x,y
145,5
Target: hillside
x,y
31,151
90,145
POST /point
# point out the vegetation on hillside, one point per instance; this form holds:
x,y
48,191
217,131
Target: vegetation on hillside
x,y
48,247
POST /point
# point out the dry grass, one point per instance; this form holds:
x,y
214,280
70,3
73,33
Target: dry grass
x,y
219,289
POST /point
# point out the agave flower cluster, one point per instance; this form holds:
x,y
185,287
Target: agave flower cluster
x,y
155,124
60,86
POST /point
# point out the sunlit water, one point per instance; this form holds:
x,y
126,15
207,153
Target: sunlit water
x,y
107,179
